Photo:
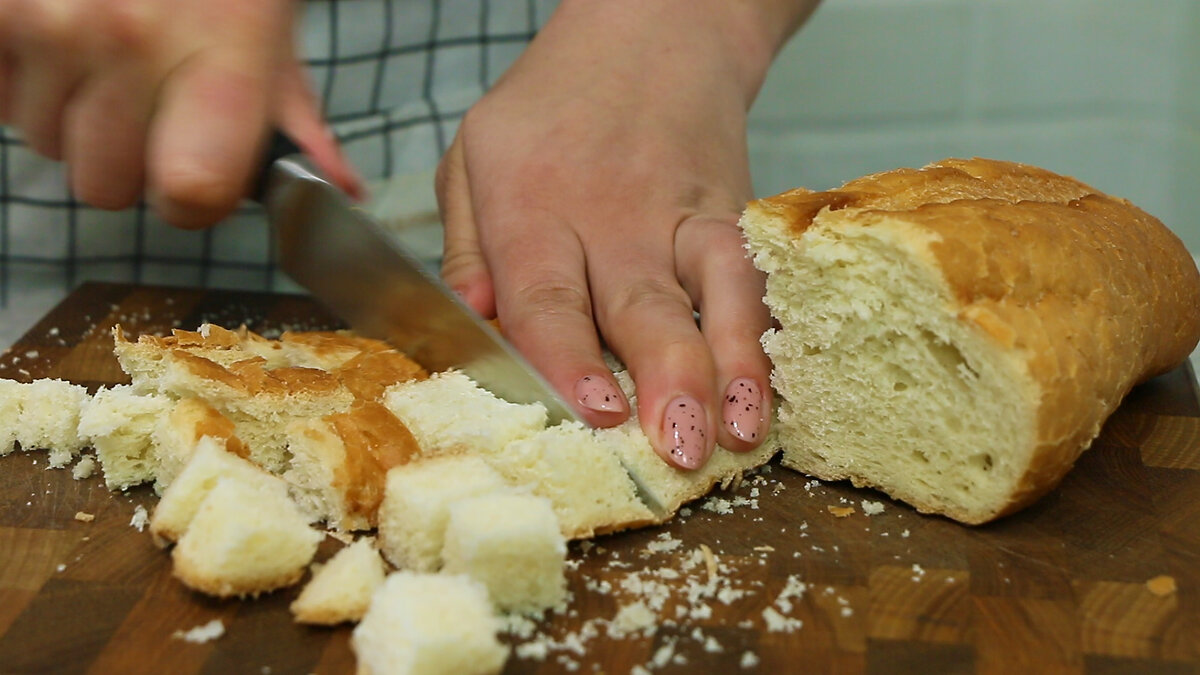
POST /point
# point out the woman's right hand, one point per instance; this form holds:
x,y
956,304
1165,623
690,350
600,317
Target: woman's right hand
x,y
171,99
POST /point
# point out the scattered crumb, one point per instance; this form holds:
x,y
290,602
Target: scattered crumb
x,y
201,634
872,508
748,660
1161,585
764,548
344,537
140,519
778,623
61,567
84,517
710,563
840,511
84,468
904,533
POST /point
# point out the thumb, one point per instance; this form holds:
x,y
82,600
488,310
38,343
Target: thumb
x,y
299,116
464,269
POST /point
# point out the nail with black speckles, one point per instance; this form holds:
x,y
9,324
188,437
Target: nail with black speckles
x,y
743,413
597,392
685,432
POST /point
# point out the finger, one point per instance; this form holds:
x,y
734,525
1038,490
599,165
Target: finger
x,y
647,319
464,268
40,93
105,140
214,110
300,117
45,69
717,273
6,78
205,140
543,302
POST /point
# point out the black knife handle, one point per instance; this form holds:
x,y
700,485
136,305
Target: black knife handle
x,y
278,147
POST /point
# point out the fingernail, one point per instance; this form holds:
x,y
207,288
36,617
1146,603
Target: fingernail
x,y
743,412
686,430
596,392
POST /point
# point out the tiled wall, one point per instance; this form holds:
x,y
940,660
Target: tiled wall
x,y
1105,90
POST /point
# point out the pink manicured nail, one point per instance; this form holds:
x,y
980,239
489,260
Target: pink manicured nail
x,y
686,430
743,413
595,392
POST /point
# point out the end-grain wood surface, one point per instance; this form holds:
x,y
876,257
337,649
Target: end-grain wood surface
x,y
1060,587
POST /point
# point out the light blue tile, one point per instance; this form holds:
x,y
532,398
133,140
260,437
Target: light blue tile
x,y
1076,55
857,61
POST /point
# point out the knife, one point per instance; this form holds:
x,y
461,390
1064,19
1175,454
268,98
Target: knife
x,y
359,270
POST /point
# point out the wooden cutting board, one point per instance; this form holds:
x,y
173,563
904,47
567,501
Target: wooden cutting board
x,y
1060,587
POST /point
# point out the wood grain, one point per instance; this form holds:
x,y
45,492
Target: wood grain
x,y
1060,587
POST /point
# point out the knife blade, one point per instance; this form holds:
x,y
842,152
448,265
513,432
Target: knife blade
x,y
359,270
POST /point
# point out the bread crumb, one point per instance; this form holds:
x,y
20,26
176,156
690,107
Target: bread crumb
x,y
635,617
710,563
201,634
140,518
840,511
777,623
84,517
1161,585
872,508
84,468
748,660
764,548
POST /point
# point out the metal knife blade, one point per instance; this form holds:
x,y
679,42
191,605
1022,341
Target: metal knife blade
x,y
359,270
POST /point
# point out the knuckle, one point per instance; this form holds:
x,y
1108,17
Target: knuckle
x,y
127,26
555,297
649,296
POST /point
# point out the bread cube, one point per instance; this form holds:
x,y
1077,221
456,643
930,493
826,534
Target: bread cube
x,y
578,470
207,466
49,419
449,412
341,589
245,539
511,543
119,424
12,395
429,624
416,503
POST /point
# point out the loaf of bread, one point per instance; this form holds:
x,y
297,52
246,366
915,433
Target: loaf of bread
x,y
429,624
956,335
340,590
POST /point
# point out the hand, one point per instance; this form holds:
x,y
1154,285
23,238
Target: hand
x,y
171,97
591,199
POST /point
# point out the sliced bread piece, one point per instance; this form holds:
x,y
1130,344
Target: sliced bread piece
x,y
577,469
510,543
245,539
429,624
416,506
340,590
209,463
119,424
436,410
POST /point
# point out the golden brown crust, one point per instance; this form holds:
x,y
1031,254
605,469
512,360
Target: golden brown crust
x,y
1093,294
374,441
183,569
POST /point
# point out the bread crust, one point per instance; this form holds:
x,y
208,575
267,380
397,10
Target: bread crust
x,y
1087,293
